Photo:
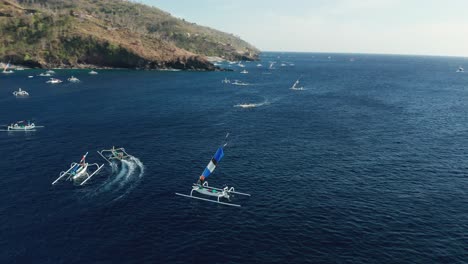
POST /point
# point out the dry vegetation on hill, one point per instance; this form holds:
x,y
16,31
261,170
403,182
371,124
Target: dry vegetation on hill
x,y
109,33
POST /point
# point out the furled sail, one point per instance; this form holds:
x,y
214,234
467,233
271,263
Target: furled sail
x,y
214,161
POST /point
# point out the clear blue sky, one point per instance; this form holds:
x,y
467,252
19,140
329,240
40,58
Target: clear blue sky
x,y
432,27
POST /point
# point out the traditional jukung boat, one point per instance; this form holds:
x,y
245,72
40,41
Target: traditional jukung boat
x,y
114,154
54,81
20,93
73,79
5,69
294,87
216,194
79,171
24,125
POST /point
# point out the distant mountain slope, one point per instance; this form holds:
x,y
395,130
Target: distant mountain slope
x,y
109,33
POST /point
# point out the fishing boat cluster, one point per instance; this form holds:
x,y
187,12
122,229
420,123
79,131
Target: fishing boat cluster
x,y
28,125
271,66
7,69
82,171
295,86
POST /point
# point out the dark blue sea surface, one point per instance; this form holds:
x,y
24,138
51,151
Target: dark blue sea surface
x,y
367,164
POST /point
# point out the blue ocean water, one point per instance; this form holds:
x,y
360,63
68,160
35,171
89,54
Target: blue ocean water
x,y
367,164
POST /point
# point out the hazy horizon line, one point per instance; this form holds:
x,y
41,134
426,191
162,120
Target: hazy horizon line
x,y
365,53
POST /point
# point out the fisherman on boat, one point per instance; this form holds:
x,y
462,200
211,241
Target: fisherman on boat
x,y
77,167
201,180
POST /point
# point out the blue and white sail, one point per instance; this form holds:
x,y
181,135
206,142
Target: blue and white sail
x,y
213,162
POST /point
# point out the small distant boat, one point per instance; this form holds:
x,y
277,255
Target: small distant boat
x,y
283,64
19,68
54,81
50,72
22,126
460,69
167,70
5,69
244,72
294,87
45,74
30,76
272,64
240,64
20,93
226,80
237,82
93,72
291,64
259,65
73,79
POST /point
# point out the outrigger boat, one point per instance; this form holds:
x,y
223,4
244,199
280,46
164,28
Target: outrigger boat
x,y
294,87
73,79
216,193
20,93
5,69
22,126
114,154
79,170
93,72
54,81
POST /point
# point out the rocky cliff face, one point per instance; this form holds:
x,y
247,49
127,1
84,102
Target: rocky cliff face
x,y
109,33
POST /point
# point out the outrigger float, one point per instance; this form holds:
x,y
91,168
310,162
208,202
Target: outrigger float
x,y
217,193
79,170
114,154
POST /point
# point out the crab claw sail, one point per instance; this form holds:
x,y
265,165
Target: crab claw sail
x,y
214,161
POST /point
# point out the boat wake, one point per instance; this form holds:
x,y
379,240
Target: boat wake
x,y
239,83
298,89
251,105
125,176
